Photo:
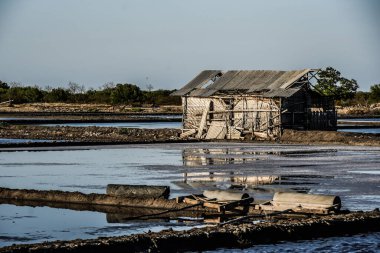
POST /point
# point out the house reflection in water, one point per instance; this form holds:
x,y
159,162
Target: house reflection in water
x,y
202,157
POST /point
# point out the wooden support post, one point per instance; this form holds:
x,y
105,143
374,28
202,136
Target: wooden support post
x,y
203,122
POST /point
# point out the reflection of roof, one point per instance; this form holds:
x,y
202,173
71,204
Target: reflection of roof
x,y
267,83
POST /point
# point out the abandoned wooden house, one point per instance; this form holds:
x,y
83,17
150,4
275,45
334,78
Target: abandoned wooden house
x,y
254,103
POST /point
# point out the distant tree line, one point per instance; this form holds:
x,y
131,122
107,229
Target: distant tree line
x,y
363,97
74,93
330,83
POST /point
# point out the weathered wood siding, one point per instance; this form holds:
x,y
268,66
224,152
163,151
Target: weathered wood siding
x,y
232,117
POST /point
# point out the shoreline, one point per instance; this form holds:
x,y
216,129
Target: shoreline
x,y
243,235
92,135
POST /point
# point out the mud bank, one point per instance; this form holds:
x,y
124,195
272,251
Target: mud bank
x,y
208,238
113,135
329,137
89,134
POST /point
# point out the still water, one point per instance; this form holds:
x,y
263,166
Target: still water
x,y
13,141
361,119
359,129
362,130
351,172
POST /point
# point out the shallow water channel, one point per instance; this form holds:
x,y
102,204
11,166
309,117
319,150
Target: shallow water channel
x,y
351,172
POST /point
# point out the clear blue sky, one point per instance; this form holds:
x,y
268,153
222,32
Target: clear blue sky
x,y
52,42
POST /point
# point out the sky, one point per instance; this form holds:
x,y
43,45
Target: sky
x,y
166,43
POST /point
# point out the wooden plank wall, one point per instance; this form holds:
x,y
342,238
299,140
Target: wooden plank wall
x,y
240,115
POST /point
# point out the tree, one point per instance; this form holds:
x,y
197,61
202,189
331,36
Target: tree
x,y
3,91
374,93
361,98
108,85
4,85
126,94
75,88
331,83
149,87
26,94
57,95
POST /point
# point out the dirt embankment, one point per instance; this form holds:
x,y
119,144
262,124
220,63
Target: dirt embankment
x,y
136,135
90,134
330,137
208,238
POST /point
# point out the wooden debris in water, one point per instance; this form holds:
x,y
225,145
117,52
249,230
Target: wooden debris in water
x,y
138,191
300,202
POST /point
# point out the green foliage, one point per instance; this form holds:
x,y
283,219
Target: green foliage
x,y
126,94
3,85
99,96
374,93
3,90
161,97
24,94
361,98
331,83
57,95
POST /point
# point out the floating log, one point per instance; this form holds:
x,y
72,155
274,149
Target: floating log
x,y
286,200
126,212
138,191
224,195
92,199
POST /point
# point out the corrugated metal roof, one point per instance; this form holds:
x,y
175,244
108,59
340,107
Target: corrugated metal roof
x,y
197,82
281,93
268,83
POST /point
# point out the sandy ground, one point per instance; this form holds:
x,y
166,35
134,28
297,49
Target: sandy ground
x,y
330,137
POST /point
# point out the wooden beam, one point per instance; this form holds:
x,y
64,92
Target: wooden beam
x,y
203,122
